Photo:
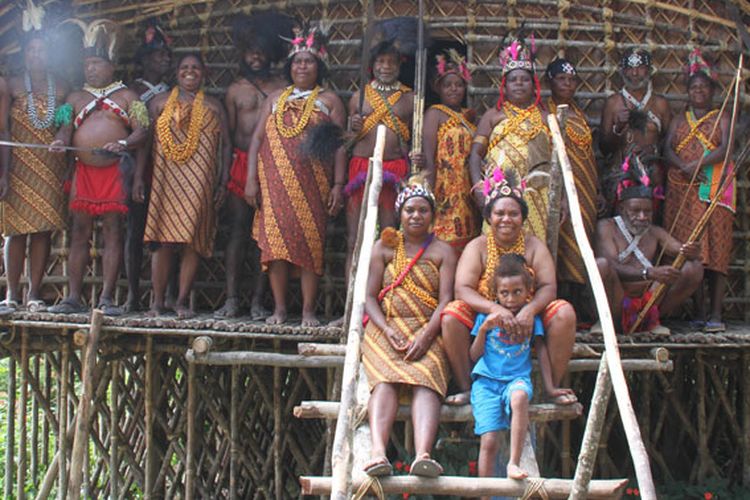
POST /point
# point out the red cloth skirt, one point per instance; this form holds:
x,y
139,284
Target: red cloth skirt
x,y
98,190
394,171
238,173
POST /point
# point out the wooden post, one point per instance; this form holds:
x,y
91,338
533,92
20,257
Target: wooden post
x,y
277,480
342,446
10,434
191,409
48,398
592,434
555,192
148,397
35,425
22,428
746,418
81,437
114,419
62,442
620,385
233,429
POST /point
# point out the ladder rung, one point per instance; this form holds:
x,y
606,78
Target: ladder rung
x,y
469,486
543,412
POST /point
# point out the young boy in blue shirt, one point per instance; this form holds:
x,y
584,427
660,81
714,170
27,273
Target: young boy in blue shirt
x,y
501,387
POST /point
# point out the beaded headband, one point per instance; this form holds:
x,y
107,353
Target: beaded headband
x,y
634,180
697,64
518,56
452,63
414,187
634,58
560,66
312,40
500,185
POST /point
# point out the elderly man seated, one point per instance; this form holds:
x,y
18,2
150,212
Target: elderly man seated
x,y
628,247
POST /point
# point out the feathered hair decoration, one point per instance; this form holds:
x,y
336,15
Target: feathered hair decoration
x,y
154,39
399,34
312,39
698,65
517,55
33,17
269,32
101,38
634,179
501,183
451,62
415,186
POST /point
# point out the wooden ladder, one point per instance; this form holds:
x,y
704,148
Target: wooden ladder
x,y
351,446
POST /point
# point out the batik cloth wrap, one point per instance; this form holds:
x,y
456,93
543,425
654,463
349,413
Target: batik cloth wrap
x,y
691,141
407,313
181,208
457,221
35,201
521,143
462,311
238,173
578,142
294,194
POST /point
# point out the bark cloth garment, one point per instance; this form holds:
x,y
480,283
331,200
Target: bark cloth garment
x,y
521,143
691,142
394,171
457,220
181,208
407,308
463,312
294,194
35,201
578,141
238,173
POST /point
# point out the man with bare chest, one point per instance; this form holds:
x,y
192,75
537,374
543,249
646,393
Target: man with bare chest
x,y
627,248
260,44
155,58
615,136
391,103
109,120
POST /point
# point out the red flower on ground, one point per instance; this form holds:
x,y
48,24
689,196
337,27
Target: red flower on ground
x,y
407,468
636,492
472,467
629,491
708,495
398,464
405,496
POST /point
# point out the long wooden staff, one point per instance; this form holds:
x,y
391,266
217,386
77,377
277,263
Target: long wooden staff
x,y
679,261
365,54
419,85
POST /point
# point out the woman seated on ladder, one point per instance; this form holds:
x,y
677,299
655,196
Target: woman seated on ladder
x,y
410,281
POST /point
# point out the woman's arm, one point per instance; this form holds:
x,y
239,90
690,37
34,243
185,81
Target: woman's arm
x,y
429,132
252,188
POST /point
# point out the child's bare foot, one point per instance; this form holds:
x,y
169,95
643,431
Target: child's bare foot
x,y
562,396
277,318
515,472
459,399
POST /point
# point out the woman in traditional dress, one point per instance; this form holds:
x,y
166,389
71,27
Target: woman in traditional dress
x,y
191,154
410,281
515,137
292,190
448,132
699,139
563,81
505,212
31,185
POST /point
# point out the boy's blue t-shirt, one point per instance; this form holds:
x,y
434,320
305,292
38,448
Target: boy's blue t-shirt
x,y
501,359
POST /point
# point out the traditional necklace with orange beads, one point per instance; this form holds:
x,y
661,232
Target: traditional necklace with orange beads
x,y
180,153
494,252
307,111
403,265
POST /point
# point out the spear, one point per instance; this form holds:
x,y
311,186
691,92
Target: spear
x,y
700,227
419,84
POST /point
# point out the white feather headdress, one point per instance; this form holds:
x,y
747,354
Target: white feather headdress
x,y
33,17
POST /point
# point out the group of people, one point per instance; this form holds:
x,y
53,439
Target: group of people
x,y
461,283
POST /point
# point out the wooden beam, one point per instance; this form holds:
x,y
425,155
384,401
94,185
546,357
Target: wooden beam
x,y
620,385
310,349
544,412
264,359
470,486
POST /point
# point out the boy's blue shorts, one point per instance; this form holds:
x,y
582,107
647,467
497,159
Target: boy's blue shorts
x,y
490,402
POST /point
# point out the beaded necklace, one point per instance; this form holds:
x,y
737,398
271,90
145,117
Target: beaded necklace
x,y
581,138
525,123
307,111
385,87
494,252
401,263
49,115
100,92
180,153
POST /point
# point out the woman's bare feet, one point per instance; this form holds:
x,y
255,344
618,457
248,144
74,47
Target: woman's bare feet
x,y
157,311
516,472
277,318
230,309
310,319
183,311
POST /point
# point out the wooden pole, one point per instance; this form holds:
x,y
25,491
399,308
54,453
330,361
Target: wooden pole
x,y
81,437
264,359
114,425
592,434
555,191
277,479
471,486
746,418
10,431
342,446
191,409
22,428
233,430
35,395
62,442
148,396
627,414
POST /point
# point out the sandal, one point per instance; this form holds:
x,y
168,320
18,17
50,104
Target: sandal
x,y
714,327
381,467
109,308
36,305
8,307
425,466
68,306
